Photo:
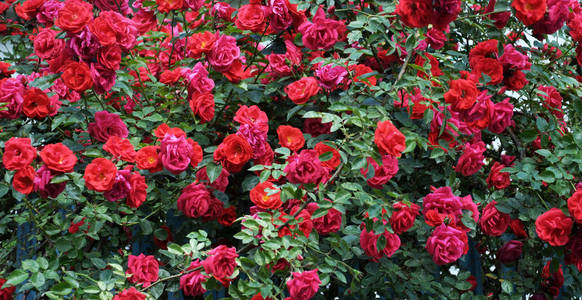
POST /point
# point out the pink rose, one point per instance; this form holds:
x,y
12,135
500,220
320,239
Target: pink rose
x,y
280,18
496,178
444,201
224,53
330,77
175,153
198,80
11,98
304,285
471,160
191,283
368,242
103,78
514,59
502,116
107,124
446,244
144,269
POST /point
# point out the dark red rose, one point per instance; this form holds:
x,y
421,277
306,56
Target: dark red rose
x,y
510,252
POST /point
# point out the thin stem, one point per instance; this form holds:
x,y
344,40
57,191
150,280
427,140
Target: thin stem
x,y
172,277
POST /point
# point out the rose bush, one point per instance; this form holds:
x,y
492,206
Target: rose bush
x,y
291,149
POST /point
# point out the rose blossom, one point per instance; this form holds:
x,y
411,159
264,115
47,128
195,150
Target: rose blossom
x,y
446,244
304,285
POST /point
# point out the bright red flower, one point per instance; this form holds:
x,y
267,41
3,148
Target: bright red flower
x,y
389,139
290,137
554,227
23,180
100,175
234,152
18,153
58,157
266,195
74,16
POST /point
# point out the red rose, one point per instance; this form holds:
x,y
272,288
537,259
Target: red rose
x,y
304,285
147,158
305,168
18,153
369,240
109,57
471,161
23,180
510,252
290,137
74,15
58,157
36,103
383,173
138,191
314,127
196,153
28,9
529,11
166,6
554,227
490,67
130,294
77,76
301,90
100,175
493,222
191,283
195,200
552,282
447,244
403,216
389,139
251,17
220,262
228,216
46,44
516,81
334,161
252,116
575,206
219,183
102,28
496,178
143,269
202,105
120,148
518,228
234,152
170,76
361,70
414,13
330,222
201,42
6,293
266,195
462,94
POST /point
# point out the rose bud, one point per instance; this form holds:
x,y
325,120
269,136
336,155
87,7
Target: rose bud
x,y
510,252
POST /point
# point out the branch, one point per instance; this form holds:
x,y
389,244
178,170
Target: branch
x,y
517,143
171,277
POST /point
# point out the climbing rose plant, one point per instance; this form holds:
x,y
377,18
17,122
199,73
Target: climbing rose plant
x,y
289,149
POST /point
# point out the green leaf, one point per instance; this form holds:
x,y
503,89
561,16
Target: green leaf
x,y
507,286
37,280
213,171
326,156
15,278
